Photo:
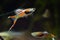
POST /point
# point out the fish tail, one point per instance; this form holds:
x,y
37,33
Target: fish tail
x,y
12,25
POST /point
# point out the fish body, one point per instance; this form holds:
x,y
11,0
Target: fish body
x,y
21,13
43,35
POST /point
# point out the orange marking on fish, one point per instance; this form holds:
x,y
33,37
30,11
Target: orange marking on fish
x,y
22,14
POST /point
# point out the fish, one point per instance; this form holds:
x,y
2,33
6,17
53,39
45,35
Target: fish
x,y
43,35
20,13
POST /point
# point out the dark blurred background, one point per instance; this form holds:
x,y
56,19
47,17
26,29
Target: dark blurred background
x,y
36,22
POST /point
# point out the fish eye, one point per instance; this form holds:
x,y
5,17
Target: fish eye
x,y
1,38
